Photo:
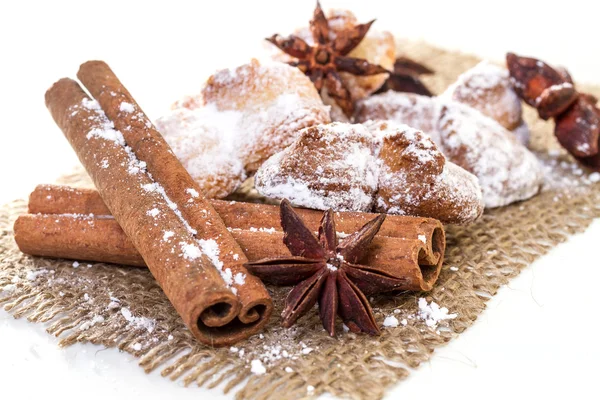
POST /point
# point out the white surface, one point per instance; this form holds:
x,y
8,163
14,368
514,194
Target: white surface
x,y
162,51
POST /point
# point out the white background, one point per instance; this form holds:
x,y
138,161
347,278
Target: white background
x,y
538,336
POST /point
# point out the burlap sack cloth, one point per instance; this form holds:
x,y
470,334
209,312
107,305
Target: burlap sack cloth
x,y
123,307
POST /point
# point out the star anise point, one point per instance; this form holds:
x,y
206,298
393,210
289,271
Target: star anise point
x,y
327,56
325,270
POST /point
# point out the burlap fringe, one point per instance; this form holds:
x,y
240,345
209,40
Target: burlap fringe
x,y
90,304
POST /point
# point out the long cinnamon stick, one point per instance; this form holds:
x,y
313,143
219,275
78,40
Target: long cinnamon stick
x,y
42,235
190,271
99,238
55,199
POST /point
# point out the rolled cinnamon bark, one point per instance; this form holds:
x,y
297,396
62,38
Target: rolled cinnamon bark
x,y
99,238
54,199
149,146
193,273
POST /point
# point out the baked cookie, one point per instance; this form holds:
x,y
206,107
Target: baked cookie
x,y
487,88
506,170
378,166
240,118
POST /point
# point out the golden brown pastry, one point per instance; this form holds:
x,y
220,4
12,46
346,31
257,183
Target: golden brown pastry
x,y
378,166
506,170
240,119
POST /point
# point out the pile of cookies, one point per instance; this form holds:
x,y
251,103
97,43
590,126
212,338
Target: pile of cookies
x,y
309,127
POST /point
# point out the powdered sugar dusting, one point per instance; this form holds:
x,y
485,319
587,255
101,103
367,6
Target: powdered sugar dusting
x,y
235,124
506,170
339,166
432,313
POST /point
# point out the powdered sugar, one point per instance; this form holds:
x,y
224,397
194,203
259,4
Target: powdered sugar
x,y
506,170
257,367
126,107
235,124
391,322
432,313
340,166
138,322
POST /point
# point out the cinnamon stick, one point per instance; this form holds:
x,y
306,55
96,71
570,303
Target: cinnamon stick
x,y
416,254
93,238
191,258
56,199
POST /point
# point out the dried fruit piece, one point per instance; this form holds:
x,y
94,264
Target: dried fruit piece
x,y
540,85
578,129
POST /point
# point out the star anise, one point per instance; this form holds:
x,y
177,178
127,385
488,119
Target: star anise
x,y
405,78
324,269
323,60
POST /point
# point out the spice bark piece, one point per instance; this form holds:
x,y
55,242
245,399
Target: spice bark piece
x,y
60,229
325,270
323,60
540,85
405,78
150,147
187,275
58,199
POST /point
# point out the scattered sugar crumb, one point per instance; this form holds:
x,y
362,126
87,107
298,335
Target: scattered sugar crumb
x,y
257,367
345,328
86,297
32,275
310,388
138,322
75,264
167,235
453,268
126,107
422,238
9,288
390,322
288,370
137,346
307,350
190,251
432,313
239,278
192,192
154,212
234,349
404,322
61,294
170,337
236,257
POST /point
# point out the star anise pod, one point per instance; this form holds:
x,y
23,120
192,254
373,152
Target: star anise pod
x,y
328,56
405,78
324,269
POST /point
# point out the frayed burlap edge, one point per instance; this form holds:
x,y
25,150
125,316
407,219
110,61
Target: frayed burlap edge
x,y
123,307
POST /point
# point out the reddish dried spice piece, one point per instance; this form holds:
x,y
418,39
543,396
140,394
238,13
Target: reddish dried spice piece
x,y
323,61
325,270
405,78
578,128
552,93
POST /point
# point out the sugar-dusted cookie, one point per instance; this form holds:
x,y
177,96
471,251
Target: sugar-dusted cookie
x,y
506,170
376,166
241,117
487,88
